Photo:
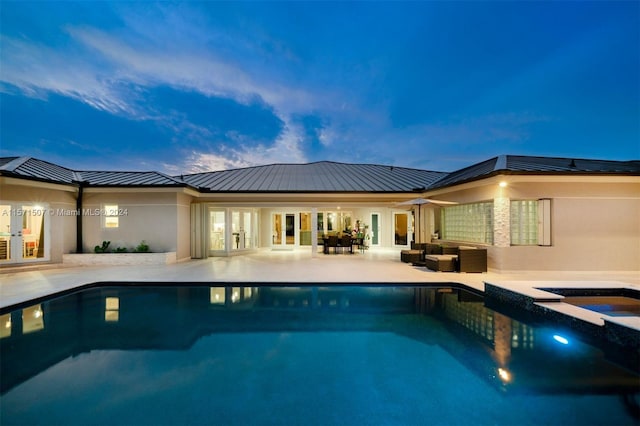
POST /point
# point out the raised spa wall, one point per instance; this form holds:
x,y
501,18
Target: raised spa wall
x,y
89,259
549,306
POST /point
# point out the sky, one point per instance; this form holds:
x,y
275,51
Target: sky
x,y
201,86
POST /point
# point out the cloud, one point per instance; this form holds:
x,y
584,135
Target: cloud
x,y
112,72
285,149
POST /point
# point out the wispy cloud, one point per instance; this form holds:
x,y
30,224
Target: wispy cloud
x,y
339,90
285,149
109,71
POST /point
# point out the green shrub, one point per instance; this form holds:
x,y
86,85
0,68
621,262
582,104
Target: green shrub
x,y
143,247
104,248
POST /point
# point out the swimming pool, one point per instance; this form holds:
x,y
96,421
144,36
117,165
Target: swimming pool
x,y
282,355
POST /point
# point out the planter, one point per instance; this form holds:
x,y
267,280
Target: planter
x,y
119,258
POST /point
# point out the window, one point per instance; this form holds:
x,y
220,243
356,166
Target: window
x,y
216,229
544,222
468,222
111,217
524,222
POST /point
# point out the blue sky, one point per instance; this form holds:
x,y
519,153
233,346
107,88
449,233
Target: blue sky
x,y
187,87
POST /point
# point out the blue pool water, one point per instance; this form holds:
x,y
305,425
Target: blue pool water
x,y
299,355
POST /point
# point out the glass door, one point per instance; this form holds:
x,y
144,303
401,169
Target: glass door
x,y
283,229
24,232
374,231
217,230
290,229
305,229
401,229
241,229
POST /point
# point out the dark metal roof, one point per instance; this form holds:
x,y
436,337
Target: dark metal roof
x,y
515,164
127,179
32,168
5,160
467,174
571,165
323,176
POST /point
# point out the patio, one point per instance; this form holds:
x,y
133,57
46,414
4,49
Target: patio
x,y
21,284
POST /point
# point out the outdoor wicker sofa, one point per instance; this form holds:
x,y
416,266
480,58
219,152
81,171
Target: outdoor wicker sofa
x,y
464,259
418,252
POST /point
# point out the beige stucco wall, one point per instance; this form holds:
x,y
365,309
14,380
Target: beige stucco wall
x,y
595,224
161,219
57,199
183,238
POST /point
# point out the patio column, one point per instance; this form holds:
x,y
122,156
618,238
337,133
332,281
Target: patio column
x,y
314,232
501,220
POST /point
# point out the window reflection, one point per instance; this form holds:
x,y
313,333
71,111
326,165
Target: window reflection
x,y
5,325
112,309
235,294
217,295
32,319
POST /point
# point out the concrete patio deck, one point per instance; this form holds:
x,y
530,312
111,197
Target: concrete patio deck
x,y
21,284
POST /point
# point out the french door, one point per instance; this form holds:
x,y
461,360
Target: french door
x,y
283,230
24,232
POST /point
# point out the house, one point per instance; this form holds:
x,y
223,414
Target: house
x,y
532,213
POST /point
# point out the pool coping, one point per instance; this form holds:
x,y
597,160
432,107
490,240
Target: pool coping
x,y
535,297
99,284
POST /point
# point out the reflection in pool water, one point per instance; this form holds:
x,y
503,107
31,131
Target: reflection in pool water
x,y
299,355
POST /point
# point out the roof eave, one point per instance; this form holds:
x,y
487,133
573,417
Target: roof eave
x,y
530,173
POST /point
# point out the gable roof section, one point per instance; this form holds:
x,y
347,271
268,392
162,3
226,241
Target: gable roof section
x,y
516,164
323,176
128,179
34,169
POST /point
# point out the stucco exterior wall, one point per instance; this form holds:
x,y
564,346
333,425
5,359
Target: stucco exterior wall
x,y
595,225
183,238
587,235
58,200
150,216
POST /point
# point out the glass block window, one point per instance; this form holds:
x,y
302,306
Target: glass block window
x,y
468,222
524,222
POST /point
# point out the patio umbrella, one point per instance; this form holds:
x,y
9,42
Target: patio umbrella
x,y
419,202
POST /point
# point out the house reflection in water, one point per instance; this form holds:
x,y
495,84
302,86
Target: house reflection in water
x,y
512,355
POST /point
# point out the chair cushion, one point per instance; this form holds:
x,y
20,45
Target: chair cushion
x,y
437,257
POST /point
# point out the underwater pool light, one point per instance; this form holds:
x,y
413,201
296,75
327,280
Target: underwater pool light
x,y
560,339
504,375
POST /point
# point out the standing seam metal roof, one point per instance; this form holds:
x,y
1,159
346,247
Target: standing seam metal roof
x,y
321,176
32,168
516,164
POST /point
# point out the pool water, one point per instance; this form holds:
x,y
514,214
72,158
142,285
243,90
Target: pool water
x,y
610,305
299,355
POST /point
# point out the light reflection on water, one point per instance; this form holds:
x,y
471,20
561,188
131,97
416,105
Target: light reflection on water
x,y
288,355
